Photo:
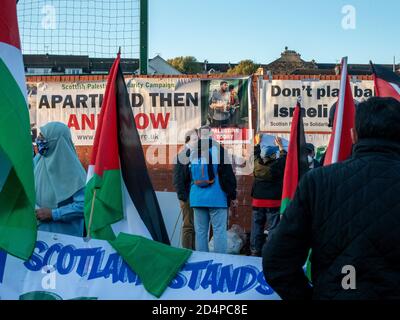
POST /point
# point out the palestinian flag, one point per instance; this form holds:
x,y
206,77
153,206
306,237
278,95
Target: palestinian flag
x,y
120,203
340,143
296,161
17,189
387,83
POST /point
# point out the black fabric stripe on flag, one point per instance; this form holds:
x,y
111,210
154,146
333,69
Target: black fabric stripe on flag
x,y
133,166
301,146
385,74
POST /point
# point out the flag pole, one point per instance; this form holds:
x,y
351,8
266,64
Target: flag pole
x,y
340,110
91,214
374,78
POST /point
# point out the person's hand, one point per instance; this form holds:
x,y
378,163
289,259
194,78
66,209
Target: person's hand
x,y
182,204
258,138
43,214
234,203
278,142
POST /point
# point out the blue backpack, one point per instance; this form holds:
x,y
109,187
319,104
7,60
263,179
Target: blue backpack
x,y
202,173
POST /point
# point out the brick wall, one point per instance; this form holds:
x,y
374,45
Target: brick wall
x,y
161,177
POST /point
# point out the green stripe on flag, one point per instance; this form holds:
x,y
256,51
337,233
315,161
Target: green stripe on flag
x,y
5,168
285,202
155,263
17,219
106,204
308,266
17,199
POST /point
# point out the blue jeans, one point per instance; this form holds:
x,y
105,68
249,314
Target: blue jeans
x,y
262,216
218,218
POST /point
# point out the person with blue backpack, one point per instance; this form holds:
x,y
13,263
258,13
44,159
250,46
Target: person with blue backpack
x,y
212,191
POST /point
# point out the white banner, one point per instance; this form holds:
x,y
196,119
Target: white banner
x,y
66,267
164,108
278,99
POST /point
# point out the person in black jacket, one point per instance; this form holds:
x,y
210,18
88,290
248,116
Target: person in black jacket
x,y
348,213
266,192
181,181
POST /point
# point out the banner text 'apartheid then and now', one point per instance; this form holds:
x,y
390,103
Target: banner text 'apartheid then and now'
x,y
143,120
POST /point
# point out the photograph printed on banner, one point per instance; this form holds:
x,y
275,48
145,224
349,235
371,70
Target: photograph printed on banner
x,y
227,103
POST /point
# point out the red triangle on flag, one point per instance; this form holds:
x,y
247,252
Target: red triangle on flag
x,y
9,32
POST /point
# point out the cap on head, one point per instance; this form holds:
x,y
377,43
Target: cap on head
x,y
310,147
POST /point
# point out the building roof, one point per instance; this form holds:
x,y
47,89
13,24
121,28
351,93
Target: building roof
x,y
290,62
158,65
58,64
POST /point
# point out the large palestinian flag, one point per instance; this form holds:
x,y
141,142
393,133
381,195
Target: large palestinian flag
x,y
120,203
340,143
119,188
17,189
387,83
296,161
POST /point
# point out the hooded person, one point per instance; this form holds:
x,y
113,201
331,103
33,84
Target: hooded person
x,y
59,182
269,168
312,163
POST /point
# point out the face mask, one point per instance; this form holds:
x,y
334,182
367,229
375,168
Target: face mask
x,y
42,145
310,159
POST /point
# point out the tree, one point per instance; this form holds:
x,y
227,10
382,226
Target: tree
x,y
188,64
245,68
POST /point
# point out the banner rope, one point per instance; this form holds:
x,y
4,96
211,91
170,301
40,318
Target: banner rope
x,y
176,223
91,214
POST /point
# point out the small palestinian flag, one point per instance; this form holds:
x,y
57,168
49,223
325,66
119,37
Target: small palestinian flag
x,y
387,83
120,203
340,143
296,160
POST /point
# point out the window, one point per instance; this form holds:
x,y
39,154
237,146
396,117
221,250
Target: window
x,y
73,71
37,71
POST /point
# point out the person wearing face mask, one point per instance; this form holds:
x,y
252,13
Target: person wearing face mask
x,y
181,181
59,182
312,163
266,192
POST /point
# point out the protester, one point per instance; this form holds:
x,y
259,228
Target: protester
x,y
182,186
213,189
312,163
59,182
266,192
348,214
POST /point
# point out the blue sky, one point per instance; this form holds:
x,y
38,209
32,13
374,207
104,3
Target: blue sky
x,y
216,30
222,31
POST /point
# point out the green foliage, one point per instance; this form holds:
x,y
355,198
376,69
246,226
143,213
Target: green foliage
x,y
188,64
245,68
